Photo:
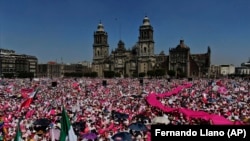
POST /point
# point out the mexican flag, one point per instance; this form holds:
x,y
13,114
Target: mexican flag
x,y
67,132
29,100
18,136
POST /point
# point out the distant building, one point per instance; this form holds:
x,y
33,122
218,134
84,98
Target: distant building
x,y
191,65
86,64
244,69
55,70
15,64
214,71
141,58
124,61
227,69
51,69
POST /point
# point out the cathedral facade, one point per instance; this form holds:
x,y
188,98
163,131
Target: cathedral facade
x,y
142,58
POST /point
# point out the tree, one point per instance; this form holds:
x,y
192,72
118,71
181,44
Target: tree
x,y
109,74
93,74
8,75
134,75
90,74
117,74
142,74
151,73
160,72
126,75
171,73
25,75
73,74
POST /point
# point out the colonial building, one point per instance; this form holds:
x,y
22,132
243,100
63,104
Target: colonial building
x,y
15,64
50,69
141,58
126,62
186,64
227,69
54,70
244,69
214,71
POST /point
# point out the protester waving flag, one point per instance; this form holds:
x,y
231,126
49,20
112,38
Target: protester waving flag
x,y
18,136
29,100
67,132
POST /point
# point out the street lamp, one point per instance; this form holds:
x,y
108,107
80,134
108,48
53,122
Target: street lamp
x,y
177,65
199,69
153,66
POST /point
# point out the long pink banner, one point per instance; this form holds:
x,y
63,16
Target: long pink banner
x,y
216,119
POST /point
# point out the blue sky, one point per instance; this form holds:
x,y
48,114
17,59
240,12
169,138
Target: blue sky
x,y
55,29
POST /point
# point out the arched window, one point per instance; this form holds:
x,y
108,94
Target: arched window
x,y
145,49
98,52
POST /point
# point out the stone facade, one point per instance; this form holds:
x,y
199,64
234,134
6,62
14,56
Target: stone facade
x,y
244,69
141,58
190,65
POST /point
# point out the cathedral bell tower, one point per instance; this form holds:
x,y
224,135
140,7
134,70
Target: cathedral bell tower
x,y
145,56
146,41
100,49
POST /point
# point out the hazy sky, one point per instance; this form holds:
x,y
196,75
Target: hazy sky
x,y
55,29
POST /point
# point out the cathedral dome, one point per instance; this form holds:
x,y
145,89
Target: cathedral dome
x,y
100,27
146,21
121,46
182,45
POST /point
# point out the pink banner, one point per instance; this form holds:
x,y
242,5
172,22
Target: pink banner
x,y
216,119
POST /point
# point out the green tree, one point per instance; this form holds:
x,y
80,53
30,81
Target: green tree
x,y
171,73
93,74
8,75
134,75
151,73
117,74
126,75
160,72
142,74
25,75
109,74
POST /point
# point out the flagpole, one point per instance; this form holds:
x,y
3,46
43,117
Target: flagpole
x,y
18,136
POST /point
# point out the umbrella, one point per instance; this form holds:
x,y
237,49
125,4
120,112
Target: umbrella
x,y
161,120
78,127
42,122
122,136
90,136
211,100
136,96
142,118
138,126
105,111
120,116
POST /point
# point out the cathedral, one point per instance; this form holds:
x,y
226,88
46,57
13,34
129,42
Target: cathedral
x,y
141,58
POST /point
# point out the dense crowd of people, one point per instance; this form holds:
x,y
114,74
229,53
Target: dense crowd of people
x,y
100,112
